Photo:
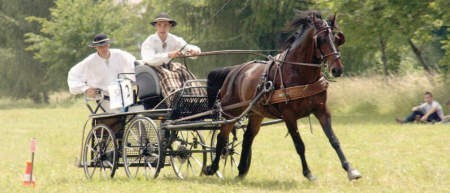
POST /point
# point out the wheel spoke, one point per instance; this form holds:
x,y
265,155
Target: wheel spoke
x,y
137,166
140,132
225,165
95,138
109,163
237,144
191,167
93,171
101,133
134,135
197,161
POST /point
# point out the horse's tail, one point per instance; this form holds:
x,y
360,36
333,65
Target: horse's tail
x,y
216,78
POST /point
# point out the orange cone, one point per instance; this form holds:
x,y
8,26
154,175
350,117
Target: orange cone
x,y
28,180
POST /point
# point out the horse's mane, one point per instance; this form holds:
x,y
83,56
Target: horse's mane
x,y
301,20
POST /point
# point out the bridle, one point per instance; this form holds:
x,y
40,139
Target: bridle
x,y
324,27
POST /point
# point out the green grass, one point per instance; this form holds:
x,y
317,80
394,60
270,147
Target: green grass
x,y
391,157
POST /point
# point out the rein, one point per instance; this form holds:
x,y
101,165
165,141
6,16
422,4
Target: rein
x,y
253,52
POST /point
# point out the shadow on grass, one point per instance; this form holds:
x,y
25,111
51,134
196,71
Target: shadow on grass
x,y
264,184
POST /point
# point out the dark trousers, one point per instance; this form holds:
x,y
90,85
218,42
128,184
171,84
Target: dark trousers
x,y
415,115
215,82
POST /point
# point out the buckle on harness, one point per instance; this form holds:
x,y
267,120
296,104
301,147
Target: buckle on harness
x,y
268,86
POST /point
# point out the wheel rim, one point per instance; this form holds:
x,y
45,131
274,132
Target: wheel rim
x,y
142,151
229,158
100,155
188,154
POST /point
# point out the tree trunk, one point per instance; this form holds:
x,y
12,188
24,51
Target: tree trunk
x,y
419,56
426,67
45,97
383,55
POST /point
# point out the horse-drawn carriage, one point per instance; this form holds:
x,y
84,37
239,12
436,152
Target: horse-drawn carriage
x,y
154,132
181,131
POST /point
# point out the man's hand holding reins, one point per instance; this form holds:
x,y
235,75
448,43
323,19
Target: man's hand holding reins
x,y
174,54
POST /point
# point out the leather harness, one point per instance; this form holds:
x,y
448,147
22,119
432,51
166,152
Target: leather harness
x,y
287,94
298,92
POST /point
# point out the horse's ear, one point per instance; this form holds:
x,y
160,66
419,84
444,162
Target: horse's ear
x,y
314,18
339,38
332,20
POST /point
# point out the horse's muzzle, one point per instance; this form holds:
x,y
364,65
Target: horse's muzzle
x,y
337,72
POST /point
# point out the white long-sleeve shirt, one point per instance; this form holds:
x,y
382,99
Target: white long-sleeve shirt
x,y
97,72
153,53
425,107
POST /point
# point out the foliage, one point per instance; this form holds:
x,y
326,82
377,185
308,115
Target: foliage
x,y
379,34
21,76
65,37
368,23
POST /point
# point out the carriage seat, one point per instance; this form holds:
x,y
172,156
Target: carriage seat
x,y
149,88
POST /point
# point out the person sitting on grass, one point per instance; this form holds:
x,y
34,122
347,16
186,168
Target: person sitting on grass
x,y
429,111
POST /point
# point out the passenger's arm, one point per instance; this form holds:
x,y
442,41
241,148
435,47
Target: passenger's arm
x,y
76,79
129,67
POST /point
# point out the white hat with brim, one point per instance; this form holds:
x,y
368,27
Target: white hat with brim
x,y
163,17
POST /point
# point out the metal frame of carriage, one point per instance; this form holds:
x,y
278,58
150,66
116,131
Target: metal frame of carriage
x,y
182,136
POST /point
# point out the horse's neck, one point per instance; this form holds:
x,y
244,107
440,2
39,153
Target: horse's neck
x,y
294,74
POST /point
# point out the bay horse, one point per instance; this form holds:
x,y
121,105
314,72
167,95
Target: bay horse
x,y
313,43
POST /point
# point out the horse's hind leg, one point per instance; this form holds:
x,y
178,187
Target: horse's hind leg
x,y
222,138
254,124
325,121
299,146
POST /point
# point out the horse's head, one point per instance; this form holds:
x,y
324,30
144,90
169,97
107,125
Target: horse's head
x,y
326,43
316,40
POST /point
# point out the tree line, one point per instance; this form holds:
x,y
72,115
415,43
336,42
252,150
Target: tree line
x,y
42,39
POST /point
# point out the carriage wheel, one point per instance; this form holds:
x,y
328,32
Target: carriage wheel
x,y
188,154
100,152
229,158
142,150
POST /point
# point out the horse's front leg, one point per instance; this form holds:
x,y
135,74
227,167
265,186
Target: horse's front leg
x,y
291,124
325,121
222,138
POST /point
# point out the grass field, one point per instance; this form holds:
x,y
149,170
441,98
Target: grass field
x,y
391,157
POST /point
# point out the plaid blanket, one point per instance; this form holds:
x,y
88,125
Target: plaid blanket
x,y
173,76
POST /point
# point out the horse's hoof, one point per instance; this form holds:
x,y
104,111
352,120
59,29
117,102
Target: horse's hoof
x,y
310,177
208,171
353,174
240,177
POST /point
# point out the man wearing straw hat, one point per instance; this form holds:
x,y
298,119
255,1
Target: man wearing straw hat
x,y
160,48
100,69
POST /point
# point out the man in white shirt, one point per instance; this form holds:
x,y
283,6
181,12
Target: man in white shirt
x,y
430,111
100,69
159,49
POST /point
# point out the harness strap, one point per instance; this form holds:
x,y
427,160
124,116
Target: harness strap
x,y
298,92
236,105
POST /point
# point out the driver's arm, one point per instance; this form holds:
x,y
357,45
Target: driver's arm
x,y
150,56
191,50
